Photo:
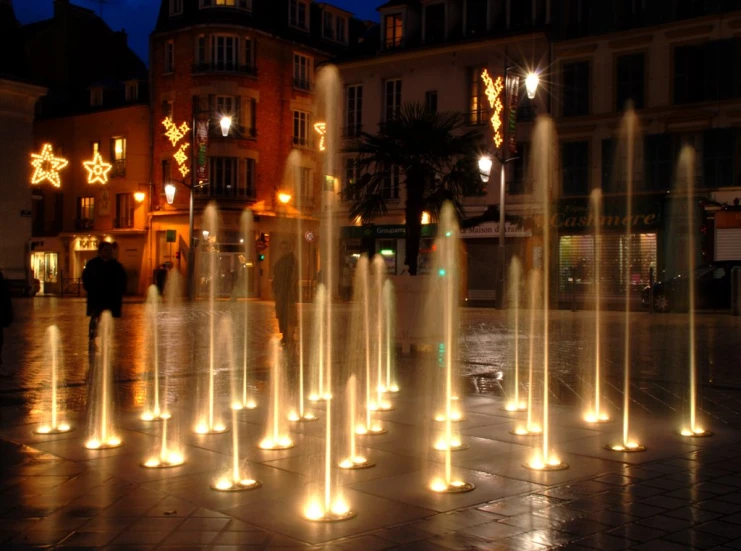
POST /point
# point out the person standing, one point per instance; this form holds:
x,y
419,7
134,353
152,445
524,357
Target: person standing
x,y
6,318
285,290
104,280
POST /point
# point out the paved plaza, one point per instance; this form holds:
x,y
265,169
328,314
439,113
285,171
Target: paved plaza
x,y
679,494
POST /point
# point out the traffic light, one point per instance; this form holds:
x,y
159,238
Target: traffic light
x,y
260,257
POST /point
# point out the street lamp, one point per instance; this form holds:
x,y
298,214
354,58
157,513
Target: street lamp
x,y
226,124
284,198
170,193
485,164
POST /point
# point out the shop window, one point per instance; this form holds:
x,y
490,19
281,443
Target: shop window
x,y
575,88
630,80
124,210
718,158
575,168
85,213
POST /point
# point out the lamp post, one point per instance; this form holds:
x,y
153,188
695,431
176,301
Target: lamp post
x,y
485,165
225,123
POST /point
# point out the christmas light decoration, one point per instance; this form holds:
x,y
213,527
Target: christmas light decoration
x,y
47,166
97,170
321,129
175,133
180,157
493,93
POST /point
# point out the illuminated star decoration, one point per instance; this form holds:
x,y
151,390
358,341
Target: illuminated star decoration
x,y
321,129
180,156
493,93
47,166
175,133
97,170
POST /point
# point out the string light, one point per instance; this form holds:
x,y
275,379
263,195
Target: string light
x,y
493,93
47,166
174,132
97,170
180,156
321,129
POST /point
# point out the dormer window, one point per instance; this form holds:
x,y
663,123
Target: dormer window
x,y
241,4
394,30
96,96
132,90
434,23
334,27
176,7
298,14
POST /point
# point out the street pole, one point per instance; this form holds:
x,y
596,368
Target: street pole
x,y
502,257
191,221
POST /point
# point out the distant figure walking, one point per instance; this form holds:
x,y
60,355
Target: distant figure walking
x,y
285,289
104,280
6,318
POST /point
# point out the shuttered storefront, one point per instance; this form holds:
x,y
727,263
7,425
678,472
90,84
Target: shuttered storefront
x,y
728,235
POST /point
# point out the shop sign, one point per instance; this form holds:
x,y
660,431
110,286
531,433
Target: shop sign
x,y
86,244
171,236
384,232
491,229
727,219
576,216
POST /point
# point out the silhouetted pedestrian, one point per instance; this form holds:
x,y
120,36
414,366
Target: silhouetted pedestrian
x,y
104,279
285,289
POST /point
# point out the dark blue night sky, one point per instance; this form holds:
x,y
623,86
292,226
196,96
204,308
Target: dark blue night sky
x,y
138,16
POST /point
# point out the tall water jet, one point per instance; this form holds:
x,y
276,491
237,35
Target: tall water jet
x,y
245,399
235,479
515,277
153,411
627,150
596,414
353,460
531,426
276,434
54,421
167,451
102,432
544,170
392,384
686,172
446,290
370,425
320,349
331,506
379,270
209,421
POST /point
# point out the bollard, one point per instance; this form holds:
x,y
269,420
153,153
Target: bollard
x,y
736,291
651,279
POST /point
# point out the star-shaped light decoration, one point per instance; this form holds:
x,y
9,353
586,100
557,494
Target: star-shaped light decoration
x,y
97,170
47,166
184,170
180,156
321,129
174,132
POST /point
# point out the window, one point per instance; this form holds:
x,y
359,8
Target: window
x,y
394,25
224,52
340,32
124,210
476,17
201,50
575,89
629,77
249,52
354,110
659,162
477,103
176,7
434,23
327,25
118,154
431,101
718,157
225,106
86,209
301,71
609,177
223,177
167,108
350,179
169,56
248,117
96,96
298,14
706,72
241,4
249,179
132,91
392,98
301,128
575,168
390,189
95,147
305,185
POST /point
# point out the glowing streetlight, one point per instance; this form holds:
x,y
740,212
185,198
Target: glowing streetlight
x,y
139,196
531,84
284,198
485,164
170,193
226,124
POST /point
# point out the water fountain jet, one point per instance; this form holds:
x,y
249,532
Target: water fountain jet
x,y
276,437
56,422
515,273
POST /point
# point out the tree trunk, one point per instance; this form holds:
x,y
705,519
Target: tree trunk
x,y
413,212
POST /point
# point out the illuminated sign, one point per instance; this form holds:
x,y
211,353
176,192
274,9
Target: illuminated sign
x,y
493,93
47,166
176,133
97,170
321,129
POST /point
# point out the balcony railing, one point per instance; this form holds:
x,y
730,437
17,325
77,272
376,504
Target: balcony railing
x,y
123,223
302,84
84,224
227,193
299,141
233,68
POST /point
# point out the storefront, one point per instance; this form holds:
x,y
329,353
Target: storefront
x,y
728,235
579,250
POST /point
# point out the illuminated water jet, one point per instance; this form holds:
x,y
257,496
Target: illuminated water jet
x,y
353,460
277,437
55,421
515,274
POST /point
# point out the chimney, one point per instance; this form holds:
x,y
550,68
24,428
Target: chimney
x,y
60,7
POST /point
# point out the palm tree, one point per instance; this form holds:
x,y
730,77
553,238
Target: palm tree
x,y
435,159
